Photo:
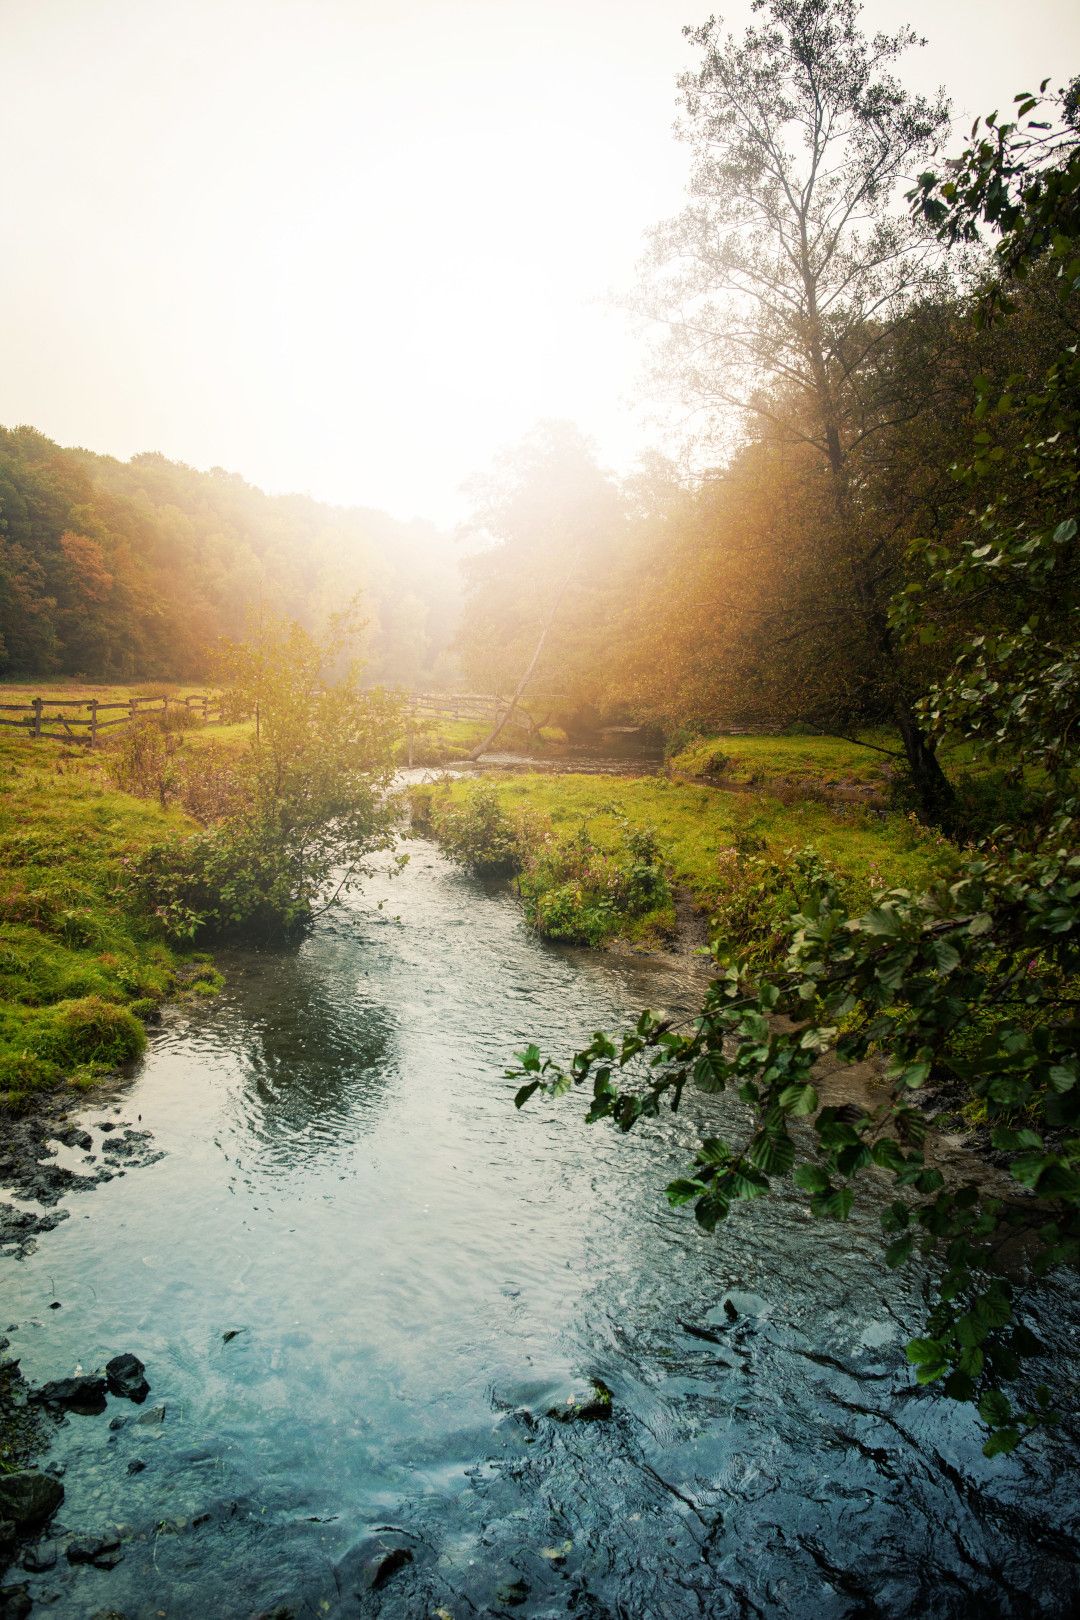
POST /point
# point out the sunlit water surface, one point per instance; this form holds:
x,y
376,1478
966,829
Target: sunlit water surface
x,y
410,1268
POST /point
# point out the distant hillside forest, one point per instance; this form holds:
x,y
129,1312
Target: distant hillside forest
x,y
112,569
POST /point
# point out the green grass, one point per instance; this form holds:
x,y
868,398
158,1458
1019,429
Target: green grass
x,y
825,761
439,742
698,828
79,967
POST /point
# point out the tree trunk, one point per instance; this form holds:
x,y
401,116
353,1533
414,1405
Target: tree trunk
x,y
519,690
932,786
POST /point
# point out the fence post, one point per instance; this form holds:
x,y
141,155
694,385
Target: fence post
x,y
133,708
93,722
37,717
205,707
165,710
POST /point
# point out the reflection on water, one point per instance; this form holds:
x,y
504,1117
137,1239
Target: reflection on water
x,y
315,1052
412,1273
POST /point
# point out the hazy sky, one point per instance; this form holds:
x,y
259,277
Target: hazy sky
x,y
355,246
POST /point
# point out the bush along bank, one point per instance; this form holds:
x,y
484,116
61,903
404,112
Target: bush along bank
x,y
574,886
599,858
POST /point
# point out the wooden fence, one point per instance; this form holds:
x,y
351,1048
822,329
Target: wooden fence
x,y
454,705
80,718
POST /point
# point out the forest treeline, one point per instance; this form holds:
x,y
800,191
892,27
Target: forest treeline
x,y
137,569
721,602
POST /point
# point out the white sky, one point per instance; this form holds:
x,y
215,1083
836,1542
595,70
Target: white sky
x,y
355,246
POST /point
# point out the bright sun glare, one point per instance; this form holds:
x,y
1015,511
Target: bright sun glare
x,y
356,246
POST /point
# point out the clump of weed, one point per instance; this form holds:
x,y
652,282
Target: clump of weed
x,y
89,1030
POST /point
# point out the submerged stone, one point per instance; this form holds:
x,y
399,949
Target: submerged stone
x,y
101,1551
28,1498
39,1559
15,1602
386,1564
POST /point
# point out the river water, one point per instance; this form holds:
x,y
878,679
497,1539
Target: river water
x,y
412,1274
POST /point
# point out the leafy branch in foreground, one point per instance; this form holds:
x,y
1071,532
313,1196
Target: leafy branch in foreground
x,y
923,977
971,987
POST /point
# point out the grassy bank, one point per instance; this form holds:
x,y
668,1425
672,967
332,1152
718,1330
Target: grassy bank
x,y
738,855
80,969
805,763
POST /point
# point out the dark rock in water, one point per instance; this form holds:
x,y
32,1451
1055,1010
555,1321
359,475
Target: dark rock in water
x,y
385,1565
156,1414
125,1375
229,1334
136,1465
39,1559
85,1394
372,1562
15,1602
55,1306
107,1125
8,1538
28,1497
20,1228
107,1614
595,1409
71,1136
101,1551
117,1422
513,1593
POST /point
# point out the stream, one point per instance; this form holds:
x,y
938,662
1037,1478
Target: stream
x,y
360,1280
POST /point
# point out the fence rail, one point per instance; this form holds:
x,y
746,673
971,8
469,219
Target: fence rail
x,y
86,725
81,720
455,705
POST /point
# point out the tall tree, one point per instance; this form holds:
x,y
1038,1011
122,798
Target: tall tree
x,y
784,280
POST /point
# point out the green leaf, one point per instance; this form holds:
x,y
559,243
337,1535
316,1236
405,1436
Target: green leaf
x,y
1001,1442
522,1096
713,1151
798,1100
899,1252
836,1205
995,1408
888,1154
774,1153
710,1072
707,1211
811,1178
684,1191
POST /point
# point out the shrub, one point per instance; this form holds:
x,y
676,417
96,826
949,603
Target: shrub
x,y
574,890
212,783
477,833
142,760
89,1030
761,892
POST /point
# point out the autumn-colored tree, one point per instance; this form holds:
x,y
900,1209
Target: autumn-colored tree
x,y
783,282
